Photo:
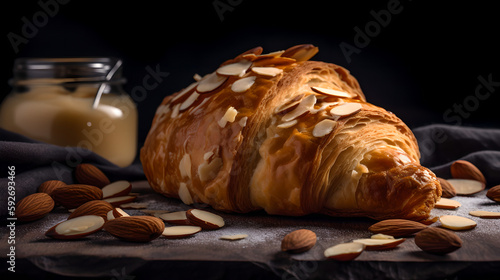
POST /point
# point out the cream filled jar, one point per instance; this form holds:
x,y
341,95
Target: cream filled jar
x,y
54,101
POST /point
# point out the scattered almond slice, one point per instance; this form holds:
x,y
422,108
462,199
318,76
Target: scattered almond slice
x,y
373,244
332,92
178,217
466,186
344,251
234,237
119,200
267,71
154,212
116,213
235,69
204,219
180,231
382,236
110,216
485,214
135,205
346,109
323,128
457,222
430,220
76,228
446,203
118,188
243,84
210,82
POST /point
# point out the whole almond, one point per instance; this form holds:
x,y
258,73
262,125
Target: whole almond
x,y
49,186
298,241
94,207
135,228
462,169
89,174
437,241
397,227
494,193
72,196
33,207
448,191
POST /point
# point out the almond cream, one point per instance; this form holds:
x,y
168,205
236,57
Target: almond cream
x,y
52,102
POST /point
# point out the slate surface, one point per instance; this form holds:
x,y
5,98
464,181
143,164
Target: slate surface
x,y
258,256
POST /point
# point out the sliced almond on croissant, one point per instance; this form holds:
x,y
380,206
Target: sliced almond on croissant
x,y
332,92
324,127
243,84
235,69
210,82
267,71
303,107
346,109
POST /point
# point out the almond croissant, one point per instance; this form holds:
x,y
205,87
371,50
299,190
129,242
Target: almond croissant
x,y
287,135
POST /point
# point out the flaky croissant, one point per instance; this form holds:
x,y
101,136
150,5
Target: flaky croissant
x,y
287,135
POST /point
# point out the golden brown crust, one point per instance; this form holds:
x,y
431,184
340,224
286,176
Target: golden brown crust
x,y
289,136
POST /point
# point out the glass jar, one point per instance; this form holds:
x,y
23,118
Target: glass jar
x,y
53,101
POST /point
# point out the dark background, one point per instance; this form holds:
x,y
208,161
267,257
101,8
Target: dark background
x,y
423,62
